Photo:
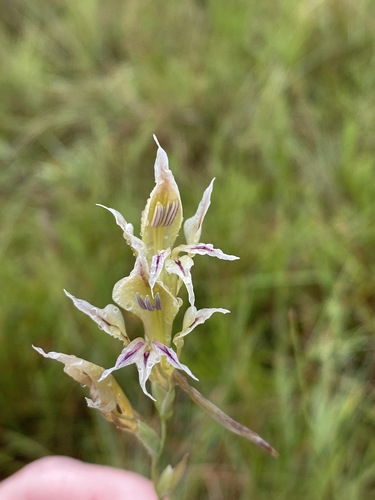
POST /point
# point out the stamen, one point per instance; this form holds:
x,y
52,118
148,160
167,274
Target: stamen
x,y
146,303
140,301
158,215
171,213
158,301
164,216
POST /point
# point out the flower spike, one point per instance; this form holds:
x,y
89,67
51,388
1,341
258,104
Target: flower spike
x,y
151,293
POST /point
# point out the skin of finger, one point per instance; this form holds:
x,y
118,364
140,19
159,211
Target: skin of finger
x,y
63,478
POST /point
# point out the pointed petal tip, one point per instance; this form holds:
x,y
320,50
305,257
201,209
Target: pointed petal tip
x,y
40,351
156,140
68,294
104,375
149,395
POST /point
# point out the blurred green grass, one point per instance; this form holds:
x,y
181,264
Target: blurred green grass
x,y
275,99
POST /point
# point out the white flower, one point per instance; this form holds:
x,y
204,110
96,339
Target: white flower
x,y
145,355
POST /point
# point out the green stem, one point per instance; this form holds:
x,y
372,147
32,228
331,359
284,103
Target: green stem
x,y
155,459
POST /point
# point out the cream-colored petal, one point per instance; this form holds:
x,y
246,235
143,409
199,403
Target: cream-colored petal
x,y
171,357
193,318
128,356
204,249
108,319
182,267
193,225
135,243
157,309
162,216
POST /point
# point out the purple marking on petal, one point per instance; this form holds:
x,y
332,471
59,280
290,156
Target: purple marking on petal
x,y
145,357
167,351
172,358
131,352
181,267
206,248
196,320
157,263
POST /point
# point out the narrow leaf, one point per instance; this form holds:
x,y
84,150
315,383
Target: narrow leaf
x,y
221,417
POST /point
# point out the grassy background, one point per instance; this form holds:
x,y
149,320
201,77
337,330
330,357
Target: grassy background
x,y
275,99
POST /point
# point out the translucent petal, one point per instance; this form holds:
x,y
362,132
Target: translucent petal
x,y
194,317
136,244
205,249
182,267
193,226
108,319
172,358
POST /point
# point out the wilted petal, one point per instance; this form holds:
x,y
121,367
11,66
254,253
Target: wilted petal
x,y
182,267
108,319
205,249
193,226
162,216
193,318
171,357
107,396
157,264
135,243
